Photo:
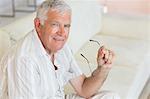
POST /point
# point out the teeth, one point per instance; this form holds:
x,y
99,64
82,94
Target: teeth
x,y
58,38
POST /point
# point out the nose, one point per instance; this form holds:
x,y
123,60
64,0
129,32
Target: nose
x,y
62,31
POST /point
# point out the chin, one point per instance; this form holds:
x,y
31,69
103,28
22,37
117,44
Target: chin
x,y
59,47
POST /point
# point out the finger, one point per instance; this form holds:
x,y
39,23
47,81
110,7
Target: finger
x,y
101,52
101,62
111,56
109,61
106,55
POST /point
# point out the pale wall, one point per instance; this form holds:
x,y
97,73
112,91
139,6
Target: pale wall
x,y
131,7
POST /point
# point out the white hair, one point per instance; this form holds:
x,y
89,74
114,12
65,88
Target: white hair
x,y
47,5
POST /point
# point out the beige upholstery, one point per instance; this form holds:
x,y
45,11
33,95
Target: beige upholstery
x,y
21,27
4,43
130,68
134,27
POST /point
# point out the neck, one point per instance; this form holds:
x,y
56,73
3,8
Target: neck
x,y
52,59
51,55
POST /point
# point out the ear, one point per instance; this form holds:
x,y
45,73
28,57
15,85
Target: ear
x,y
37,25
37,22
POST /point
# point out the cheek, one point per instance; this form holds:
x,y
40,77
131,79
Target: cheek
x,y
53,30
49,38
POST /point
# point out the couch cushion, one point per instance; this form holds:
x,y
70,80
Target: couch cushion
x,y
127,82
128,52
136,27
4,43
121,80
130,69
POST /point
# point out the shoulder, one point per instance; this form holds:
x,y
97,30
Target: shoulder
x,y
23,47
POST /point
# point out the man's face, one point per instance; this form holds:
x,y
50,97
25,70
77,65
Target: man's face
x,y
55,30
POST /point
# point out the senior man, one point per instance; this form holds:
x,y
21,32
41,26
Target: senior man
x,y
39,65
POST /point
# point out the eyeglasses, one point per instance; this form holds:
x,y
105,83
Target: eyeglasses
x,y
86,58
95,41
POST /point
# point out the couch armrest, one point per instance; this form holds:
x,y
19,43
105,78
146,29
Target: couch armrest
x,y
4,43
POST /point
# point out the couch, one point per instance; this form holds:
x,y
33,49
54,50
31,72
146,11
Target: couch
x,y
127,36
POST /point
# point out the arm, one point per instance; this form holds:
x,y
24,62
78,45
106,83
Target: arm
x,y
88,86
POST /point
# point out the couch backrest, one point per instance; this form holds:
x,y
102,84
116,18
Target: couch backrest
x,y
86,21
137,27
20,27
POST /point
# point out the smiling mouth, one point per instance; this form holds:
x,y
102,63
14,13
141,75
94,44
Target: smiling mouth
x,y
58,38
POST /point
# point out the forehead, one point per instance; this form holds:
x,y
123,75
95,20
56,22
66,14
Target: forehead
x,y
55,14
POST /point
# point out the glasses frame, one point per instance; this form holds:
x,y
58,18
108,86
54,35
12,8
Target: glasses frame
x,y
88,62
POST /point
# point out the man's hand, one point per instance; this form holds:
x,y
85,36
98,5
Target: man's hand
x,y
104,61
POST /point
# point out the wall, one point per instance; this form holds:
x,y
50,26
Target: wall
x,y
128,7
6,5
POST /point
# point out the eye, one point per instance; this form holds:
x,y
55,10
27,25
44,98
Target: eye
x,y
67,26
54,24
